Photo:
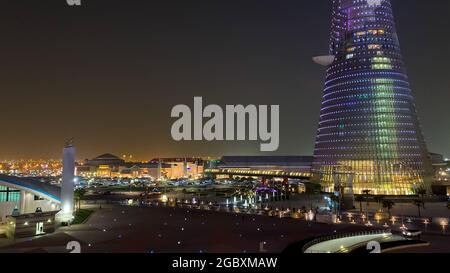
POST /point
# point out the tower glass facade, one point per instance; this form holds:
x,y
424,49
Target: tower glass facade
x,y
368,127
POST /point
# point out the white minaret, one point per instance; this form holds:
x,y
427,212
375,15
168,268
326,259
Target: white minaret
x,y
158,175
68,184
185,168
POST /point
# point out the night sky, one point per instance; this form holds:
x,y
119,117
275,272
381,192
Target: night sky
x,y
108,73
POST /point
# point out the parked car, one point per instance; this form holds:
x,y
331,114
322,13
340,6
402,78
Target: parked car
x,y
412,233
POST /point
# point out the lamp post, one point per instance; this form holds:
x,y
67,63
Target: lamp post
x,y
444,224
426,223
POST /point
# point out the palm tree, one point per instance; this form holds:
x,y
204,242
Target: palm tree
x,y
388,204
79,195
310,190
379,199
419,204
366,194
335,200
360,199
422,192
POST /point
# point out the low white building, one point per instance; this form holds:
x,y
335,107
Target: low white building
x,y
27,195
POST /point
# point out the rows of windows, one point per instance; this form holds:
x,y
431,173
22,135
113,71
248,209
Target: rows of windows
x,y
416,156
382,124
368,121
391,75
378,103
376,147
9,195
369,132
365,79
367,117
369,96
368,110
380,177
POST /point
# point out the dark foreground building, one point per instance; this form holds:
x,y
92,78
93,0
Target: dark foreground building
x,y
32,224
368,126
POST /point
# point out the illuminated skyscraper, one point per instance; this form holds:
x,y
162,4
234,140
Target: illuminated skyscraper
x,y
368,122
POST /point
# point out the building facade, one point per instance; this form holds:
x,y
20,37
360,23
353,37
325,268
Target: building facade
x,y
369,128
32,224
265,167
111,166
176,168
27,195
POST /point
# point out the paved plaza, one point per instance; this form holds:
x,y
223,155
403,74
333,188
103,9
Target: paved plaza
x,y
145,229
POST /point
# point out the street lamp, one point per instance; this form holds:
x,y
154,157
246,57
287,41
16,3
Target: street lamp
x,y
444,224
350,216
393,220
309,216
164,198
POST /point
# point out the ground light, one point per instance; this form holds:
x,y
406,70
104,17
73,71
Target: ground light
x,y
164,198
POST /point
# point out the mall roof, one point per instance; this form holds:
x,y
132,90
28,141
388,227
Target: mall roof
x,y
267,160
107,156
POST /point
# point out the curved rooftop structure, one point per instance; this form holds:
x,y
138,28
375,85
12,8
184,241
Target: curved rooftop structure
x,y
105,159
44,190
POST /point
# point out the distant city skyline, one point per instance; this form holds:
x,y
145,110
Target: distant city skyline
x,y
109,72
